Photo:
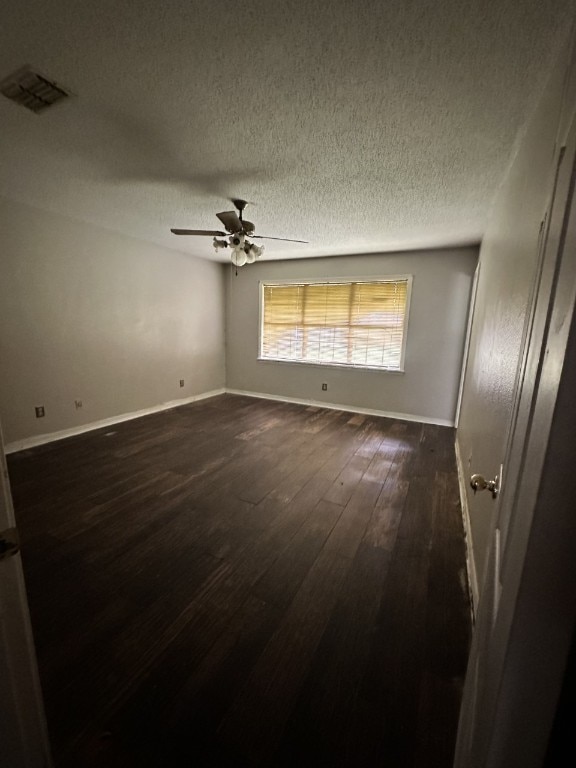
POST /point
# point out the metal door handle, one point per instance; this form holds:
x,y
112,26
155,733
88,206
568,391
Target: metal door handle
x,y
479,483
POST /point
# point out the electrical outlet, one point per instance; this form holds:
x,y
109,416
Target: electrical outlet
x,y
324,387
39,411
78,403
181,382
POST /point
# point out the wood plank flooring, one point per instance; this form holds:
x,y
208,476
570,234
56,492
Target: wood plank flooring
x,y
242,582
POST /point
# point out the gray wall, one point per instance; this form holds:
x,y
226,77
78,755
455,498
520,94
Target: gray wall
x,y
429,387
508,262
89,314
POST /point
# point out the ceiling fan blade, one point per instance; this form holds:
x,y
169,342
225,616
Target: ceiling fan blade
x,y
207,232
230,220
285,239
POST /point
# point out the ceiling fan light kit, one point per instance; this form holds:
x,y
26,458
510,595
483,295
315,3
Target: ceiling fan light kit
x,y
243,251
235,237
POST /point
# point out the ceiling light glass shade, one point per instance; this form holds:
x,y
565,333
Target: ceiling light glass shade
x,y
239,258
256,250
219,244
243,251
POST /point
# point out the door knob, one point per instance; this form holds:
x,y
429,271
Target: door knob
x,y
479,483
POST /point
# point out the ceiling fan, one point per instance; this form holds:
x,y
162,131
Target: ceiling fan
x,y
238,230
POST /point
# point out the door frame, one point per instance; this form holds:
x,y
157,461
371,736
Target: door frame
x,y
23,732
466,353
524,634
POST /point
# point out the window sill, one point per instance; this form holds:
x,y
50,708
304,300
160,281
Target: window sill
x,y
331,365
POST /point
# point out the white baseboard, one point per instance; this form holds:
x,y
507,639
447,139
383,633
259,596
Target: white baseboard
x,y
31,442
470,564
348,408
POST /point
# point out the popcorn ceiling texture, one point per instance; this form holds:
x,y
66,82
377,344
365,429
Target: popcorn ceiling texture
x,y
359,126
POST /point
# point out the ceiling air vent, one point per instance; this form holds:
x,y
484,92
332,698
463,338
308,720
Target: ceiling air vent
x,y
31,90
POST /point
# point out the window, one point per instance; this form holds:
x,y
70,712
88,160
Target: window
x,y
357,324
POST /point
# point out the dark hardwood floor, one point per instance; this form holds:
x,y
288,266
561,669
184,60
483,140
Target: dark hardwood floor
x,y
241,582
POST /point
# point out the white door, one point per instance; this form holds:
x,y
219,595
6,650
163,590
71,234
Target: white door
x,y
23,736
527,610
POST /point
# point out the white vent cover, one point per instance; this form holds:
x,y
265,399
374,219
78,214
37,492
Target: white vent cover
x,y
32,90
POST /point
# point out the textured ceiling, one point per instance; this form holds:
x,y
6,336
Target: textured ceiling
x,y
357,125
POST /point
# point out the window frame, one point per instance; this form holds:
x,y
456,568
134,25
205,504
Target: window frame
x,y
336,281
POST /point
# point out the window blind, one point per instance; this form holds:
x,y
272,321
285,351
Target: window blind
x,y
359,324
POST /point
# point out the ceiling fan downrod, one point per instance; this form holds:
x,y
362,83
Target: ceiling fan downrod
x,y
239,205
